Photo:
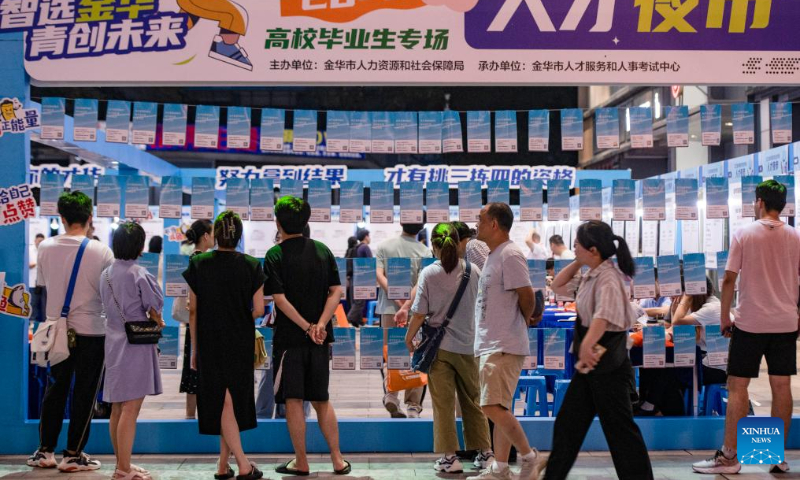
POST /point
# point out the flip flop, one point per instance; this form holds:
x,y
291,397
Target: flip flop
x,y
287,470
225,476
344,471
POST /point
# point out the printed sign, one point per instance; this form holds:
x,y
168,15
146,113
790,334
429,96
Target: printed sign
x,y
137,197
174,125
118,118
716,197
677,125
169,347
669,276
360,132
52,185
591,199
780,115
319,197
351,202
469,201
505,131
145,119
538,130
398,276
206,126
743,123
203,198
430,132
382,132
405,132
437,202
52,118
239,124
716,346
150,262
237,197
558,200
788,182
606,123
644,283
290,188
171,201
273,123
624,200
641,121
571,129
684,341
555,348
654,199
109,196
452,142
411,202
537,273
686,199
479,132
531,200
722,262
175,284
399,359
344,349
497,191
655,353
694,273
371,348
749,184
365,279
711,124
381,202
532,360
84,115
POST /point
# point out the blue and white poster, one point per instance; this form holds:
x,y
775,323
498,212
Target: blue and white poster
x,y
137,197
169,346
319,197
749,184
52,118
171,199
174,125
262,199
427,261
437,202
411,202
558,200
469,201
273,125
360,132
644,283
591,199
371,347
479,132
237,197
382,132
559,265
82,183
538,130
775,161
654,199
743,123
51,187
532,360
711,125
555,348
741,166
365,279
351,201
118,121
684,341
150,262
722,262
694,273
641,120
505,131
498,191
537,273
686,199
381,202
109,196
531,199
571,129
175,284
206,126
240,121
405,132
677,125
654,347
398,356
304,131
716,346
267,333
84,126
788,182
623,197
430,132
290,187
780,115
344,349
716,197
145,120
337,132
341,265
669,276
398,277
606,123
453,141
203,198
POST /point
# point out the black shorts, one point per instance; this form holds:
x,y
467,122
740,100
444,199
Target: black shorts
x,y
301,373
747,349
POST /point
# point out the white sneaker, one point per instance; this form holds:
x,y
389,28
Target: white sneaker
x,y
484,460
782,467
530,469
718,464
393,407
42,460
79,463
490,474
448,465
413,411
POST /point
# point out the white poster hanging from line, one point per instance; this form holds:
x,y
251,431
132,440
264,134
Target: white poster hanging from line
x,y
174,124
505,131
145,120
206,126
677,125
539,130
479,131
84,126
571,129
641,121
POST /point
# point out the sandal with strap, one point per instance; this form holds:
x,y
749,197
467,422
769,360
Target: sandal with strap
x,y
286,469
225,476
137,468
344,470
254,474
132,475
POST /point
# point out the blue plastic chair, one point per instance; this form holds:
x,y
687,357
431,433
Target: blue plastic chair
x,y
560,392
536,388
714,399
371,318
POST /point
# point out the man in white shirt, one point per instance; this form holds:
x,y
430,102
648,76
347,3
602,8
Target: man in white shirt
x,y
537,250
560,251
86,323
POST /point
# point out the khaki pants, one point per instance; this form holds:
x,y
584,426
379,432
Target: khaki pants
x,y
453,373
411,397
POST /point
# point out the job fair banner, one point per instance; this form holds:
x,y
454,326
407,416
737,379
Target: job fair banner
x,y
408,41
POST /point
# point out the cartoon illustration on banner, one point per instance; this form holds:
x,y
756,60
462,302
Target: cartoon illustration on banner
x,y
16,119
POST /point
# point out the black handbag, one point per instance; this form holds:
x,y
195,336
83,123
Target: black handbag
x,y
144,332
431,337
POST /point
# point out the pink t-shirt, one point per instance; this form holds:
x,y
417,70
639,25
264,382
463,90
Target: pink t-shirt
x,y
766,255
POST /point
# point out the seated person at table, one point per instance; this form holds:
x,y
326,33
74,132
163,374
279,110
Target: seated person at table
x,y
658,306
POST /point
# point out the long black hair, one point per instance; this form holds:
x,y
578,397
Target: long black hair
x,y
600,236
197,230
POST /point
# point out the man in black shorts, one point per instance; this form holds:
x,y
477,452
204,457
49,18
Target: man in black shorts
x,y
304,281
765,255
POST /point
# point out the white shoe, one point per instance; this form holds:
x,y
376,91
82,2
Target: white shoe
x,y
413,411
718,464
79,463
530,469
393,407
484,460
490,474
448,465
41,459
782,467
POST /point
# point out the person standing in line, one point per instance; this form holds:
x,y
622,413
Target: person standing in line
x,y
505,303
304,283
455,369
602,385
537,250
403,246
201,236
560,251
129,294
226,296
355,316
766,255
86,323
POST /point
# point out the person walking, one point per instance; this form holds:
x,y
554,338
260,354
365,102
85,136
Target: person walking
x,y
455,369
765,257
226,296
505,303
82,371
355,315
129,294
602,385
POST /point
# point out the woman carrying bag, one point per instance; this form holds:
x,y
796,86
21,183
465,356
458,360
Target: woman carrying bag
x,y
603,381
445,302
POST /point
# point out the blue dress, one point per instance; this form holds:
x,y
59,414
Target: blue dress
x,y
131,370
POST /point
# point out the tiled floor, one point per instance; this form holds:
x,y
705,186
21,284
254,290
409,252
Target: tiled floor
x,y
672,465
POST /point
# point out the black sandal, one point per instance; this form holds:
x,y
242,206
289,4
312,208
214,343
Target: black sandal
x,y
287,470
344,471
225,476
254,474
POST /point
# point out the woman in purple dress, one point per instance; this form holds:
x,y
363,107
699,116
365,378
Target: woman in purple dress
x,y
129,294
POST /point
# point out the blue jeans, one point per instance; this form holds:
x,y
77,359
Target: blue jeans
x,y
265,401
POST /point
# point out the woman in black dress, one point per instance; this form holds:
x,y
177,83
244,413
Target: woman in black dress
x,y
226,295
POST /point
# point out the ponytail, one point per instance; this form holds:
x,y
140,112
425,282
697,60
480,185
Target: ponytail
x,y
445,244
600,236
624,258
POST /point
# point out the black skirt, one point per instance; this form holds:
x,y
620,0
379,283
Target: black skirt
x,y
188,376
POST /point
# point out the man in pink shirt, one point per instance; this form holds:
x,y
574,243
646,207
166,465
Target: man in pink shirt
x,y
766,254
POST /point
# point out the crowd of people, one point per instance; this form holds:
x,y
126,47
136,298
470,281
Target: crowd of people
x,y
476,367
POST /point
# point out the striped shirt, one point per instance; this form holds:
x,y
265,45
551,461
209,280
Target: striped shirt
x,y
477,251
602,294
